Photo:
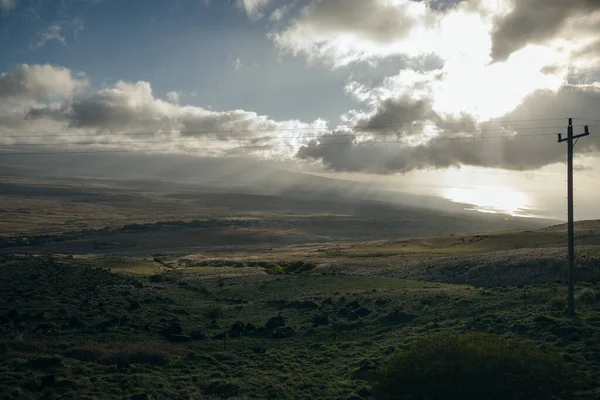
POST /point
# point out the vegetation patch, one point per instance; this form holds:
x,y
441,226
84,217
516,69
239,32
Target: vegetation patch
x,y
475,366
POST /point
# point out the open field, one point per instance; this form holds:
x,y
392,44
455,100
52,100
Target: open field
x,y
260,324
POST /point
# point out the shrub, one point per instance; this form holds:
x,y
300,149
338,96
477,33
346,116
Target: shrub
x,y
157,278
587,295
297,267
307,266
474,366
558,303
170,276
214,312
275,269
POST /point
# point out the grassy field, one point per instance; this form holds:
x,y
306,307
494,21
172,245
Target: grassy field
x,y
303,322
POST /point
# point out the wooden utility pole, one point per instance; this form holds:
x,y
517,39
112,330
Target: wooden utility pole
x,y
571,272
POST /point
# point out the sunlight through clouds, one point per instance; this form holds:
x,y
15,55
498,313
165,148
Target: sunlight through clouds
x,y
491,199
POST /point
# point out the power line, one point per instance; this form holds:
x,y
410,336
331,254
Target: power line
x,y
356,129
281,137
266,146
263,146
589,120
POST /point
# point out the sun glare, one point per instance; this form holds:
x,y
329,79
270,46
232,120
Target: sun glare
x,y
490,199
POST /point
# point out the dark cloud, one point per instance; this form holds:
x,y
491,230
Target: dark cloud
x,y
343,154
443,5
534,22
122,107
531,147
59,114
396,115
128,107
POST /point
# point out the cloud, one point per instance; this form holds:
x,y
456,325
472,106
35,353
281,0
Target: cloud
x,y
55,31
78,26
343,32
173,96
52,32
282,11
399,128
128,109
238,64
450,142
36,81
7,5
536,22
444,5
254,8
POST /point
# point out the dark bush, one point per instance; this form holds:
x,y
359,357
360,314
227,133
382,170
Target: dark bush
x,y
475,366
321,320
157,278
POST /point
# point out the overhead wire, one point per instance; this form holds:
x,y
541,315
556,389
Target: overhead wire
x,y
3,153
589,120
261,138
179,139
283,129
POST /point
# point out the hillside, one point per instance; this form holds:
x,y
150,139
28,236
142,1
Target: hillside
x,y
297,322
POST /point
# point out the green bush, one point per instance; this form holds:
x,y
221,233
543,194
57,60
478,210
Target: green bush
x,y
297,267
307,266
558,303
474,366
275,269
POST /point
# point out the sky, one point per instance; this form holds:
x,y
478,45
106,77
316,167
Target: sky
x,y
462,99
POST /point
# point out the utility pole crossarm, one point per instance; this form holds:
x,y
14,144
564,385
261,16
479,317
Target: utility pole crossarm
x,y
586,132
571,243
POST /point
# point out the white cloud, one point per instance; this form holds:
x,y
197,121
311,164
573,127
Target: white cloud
x,y
39,81
78,26
52,32
129,108
276,15
282,11
56,31
173,96
238,64
341,32
254,8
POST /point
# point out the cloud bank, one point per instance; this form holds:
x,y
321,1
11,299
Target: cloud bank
x,y
497,61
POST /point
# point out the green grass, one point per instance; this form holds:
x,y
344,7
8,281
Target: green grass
x,y
98,333
124,265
